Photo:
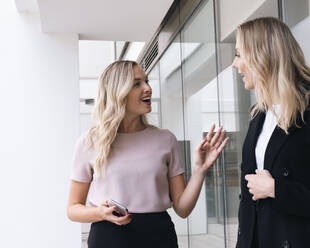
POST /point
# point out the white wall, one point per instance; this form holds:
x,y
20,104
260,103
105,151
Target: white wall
x,y
39,105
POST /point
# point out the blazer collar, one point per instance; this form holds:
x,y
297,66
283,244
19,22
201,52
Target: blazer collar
x,y
277,140
274,145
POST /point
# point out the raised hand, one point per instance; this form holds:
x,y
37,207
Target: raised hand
x,y
210,148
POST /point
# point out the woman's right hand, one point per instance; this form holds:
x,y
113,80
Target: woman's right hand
x,y
106,213
210,148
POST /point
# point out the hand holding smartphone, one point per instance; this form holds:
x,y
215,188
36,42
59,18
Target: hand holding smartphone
x,y
122,210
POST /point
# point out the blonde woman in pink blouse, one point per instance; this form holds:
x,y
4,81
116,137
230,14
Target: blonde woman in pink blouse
x,y
135,164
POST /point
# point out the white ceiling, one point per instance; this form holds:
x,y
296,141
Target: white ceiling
x,y
27,5
134,20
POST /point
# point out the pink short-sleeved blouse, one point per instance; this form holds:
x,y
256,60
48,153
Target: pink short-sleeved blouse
x,y
138,169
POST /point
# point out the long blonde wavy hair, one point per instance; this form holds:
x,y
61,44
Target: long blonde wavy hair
x,y
114,84
277,66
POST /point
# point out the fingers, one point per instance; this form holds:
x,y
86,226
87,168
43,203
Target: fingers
x,y
215,137
206,139
112,209
249,177
109,210
214,141
202,143
252,191
263,172
260,172
210,133
122,220
105,203
218,142
224,143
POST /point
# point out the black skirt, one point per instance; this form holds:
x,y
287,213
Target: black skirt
x,y
145,230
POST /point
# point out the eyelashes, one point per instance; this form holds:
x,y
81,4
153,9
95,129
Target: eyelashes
x,y
137,84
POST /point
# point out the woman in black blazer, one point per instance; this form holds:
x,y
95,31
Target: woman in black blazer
x,y
275,170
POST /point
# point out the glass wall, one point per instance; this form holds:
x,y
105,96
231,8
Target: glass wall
x,y
198,87
154,117
234,105
172,117
297,17
198,50
188,103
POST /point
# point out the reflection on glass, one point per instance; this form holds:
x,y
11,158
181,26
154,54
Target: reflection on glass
x,y
235,103
297,17
206,223
154,117
172,116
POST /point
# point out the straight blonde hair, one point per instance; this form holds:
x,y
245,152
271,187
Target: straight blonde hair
x,y
277,65
114,84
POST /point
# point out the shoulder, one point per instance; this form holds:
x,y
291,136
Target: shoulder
x,y
256,112
161,131
307,116
83,140
83,137
162,134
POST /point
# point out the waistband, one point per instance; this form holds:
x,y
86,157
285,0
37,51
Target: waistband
x,y
153,214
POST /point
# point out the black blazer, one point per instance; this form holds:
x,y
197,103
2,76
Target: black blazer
x,y
285,220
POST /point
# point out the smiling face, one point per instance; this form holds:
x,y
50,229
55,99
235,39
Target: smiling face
x,y
240,64
139,97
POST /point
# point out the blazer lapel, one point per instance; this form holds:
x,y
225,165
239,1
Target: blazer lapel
x,y
274,146
278,139
254,131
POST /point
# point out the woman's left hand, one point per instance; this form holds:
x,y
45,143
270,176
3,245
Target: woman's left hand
x,y
261,184
209,149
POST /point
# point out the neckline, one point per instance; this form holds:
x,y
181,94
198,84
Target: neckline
x,y
134,133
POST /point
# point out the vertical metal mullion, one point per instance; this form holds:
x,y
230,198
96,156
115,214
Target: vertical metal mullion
x,y
217,58
188,168
160,103
114,46
281,10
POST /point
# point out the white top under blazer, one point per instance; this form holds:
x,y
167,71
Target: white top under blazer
x,y
270,123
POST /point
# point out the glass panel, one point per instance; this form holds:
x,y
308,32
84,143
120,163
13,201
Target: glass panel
x,y
234,107
206,223
154,117
172,115
297,16
295,12
235,103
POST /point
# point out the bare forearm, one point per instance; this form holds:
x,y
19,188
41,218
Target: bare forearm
x,y
187,201
84,214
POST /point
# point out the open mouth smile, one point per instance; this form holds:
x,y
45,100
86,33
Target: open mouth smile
x,y
146,100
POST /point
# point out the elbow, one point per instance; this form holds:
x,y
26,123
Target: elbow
x,y
182,214
181,211
69,213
